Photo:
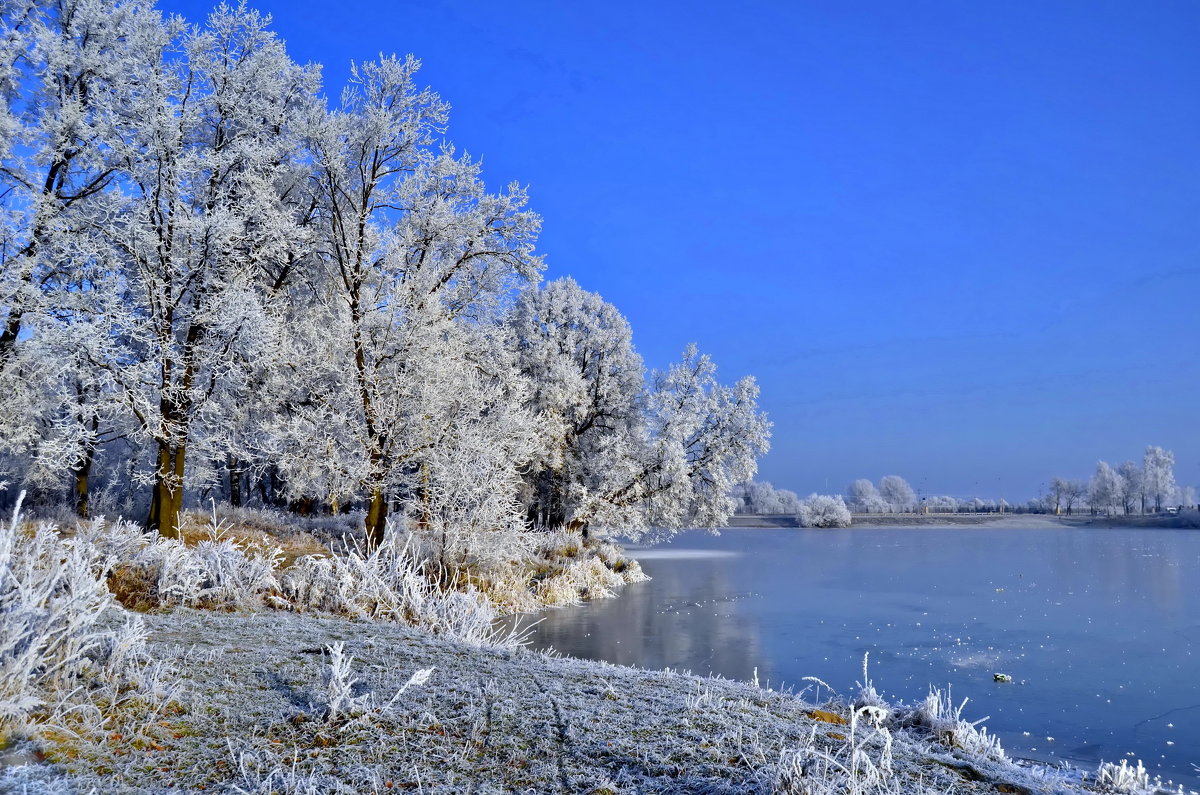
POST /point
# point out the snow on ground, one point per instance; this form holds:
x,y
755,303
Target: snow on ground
x,y
254,693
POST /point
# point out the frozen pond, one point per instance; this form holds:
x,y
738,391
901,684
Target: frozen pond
x,y
1097,627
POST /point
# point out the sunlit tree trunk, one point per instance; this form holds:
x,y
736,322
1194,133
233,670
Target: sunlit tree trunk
x,y
377,514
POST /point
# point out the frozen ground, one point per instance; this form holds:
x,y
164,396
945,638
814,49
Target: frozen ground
x,y
254,696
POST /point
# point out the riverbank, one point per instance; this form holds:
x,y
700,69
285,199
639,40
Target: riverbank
x,y
764,521
258,705
1188,519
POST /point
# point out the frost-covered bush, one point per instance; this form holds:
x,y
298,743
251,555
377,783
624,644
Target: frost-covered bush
x,y
823,510
343,702
863,765
1123,778
150,570
944,720
569,569
52,597
387,583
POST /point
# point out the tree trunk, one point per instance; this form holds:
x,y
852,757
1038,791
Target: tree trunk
x,y
81,475
10,333
263,490
579,526
83,472
377,513
235,482
166,497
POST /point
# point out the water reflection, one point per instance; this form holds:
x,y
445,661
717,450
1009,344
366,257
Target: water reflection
x,y
686,618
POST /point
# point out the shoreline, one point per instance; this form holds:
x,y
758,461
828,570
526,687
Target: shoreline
x,y
1183,521
252,710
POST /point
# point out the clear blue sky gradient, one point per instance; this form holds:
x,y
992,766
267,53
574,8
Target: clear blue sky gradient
x,y
958,242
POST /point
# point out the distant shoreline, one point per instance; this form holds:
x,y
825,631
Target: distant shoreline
x,y
1186,520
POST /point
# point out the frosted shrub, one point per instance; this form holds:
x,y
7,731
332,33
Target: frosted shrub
x,y
869,704
340,683
231,574
120,653
154,570
387,583
567,569
862,765
938,714
823,510
1123,778
52,595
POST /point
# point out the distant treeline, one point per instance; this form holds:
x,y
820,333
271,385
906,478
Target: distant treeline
x,y
1125,489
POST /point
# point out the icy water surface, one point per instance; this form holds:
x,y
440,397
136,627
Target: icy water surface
x,y
1098,627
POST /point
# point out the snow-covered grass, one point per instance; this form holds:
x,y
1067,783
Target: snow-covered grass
x,y
863,764
60,591
52,597
346,685
938,714
452,584
266,705
1123,777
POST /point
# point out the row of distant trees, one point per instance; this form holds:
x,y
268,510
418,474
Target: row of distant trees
x,y
1124,489
895,495
213,283
892,495
760,497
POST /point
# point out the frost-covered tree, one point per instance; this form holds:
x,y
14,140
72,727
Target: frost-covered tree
x,y
896,492
823,510
1158,468
865,497
761,497
703,438
66,85
208,279
213,124
1184,495
1131,486
1065,493
65,76
619,452
413,244
587,395
942,504
1104,490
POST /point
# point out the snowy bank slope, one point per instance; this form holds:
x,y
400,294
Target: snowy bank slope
x,y
264,707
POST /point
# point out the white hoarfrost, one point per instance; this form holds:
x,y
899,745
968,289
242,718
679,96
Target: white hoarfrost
x,y
52,598
823,510
620,451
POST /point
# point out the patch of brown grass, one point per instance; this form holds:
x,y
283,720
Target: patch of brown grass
x,y
133,586
253,533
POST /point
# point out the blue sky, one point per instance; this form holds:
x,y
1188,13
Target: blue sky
x,y
954,241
